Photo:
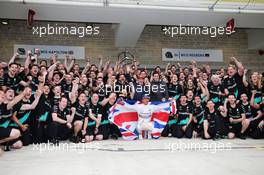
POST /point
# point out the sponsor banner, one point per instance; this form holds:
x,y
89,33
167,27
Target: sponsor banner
x,y
47,50
208,55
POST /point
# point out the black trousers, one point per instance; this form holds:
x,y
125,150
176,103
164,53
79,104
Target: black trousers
x,y
257,134
167,129
178,132
220,127
105,130
39,134
198,128
26,137
58,131
254,131
211,131
114,130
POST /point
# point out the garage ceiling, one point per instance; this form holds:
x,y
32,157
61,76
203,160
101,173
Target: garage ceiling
x,y
133,15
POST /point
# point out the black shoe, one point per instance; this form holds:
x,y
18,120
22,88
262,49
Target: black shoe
x,y
54,141
217,137
242,136
71,139
223,137
7,148
75,139
115,137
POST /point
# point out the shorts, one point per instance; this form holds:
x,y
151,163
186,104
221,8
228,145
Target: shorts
x,y
5,132
235,128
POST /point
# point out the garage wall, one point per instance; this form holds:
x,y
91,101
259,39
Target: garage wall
x,y
147,50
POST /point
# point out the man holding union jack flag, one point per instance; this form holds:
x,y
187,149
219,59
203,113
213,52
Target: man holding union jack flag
x,y
141,119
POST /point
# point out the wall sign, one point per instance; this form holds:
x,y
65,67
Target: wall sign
x,y
47,50
208,55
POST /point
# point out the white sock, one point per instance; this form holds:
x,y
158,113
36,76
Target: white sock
x,y
149,135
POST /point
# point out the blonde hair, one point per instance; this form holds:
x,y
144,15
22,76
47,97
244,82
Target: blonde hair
x,y
215,77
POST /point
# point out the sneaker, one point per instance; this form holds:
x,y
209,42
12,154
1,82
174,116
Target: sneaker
x,y
242,136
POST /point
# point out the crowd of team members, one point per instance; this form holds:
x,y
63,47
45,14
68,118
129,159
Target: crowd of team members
x,y
41,102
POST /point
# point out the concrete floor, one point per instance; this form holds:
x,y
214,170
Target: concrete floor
x,y
163,156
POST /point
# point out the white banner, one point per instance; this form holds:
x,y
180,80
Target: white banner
x,y
47,50
208,55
